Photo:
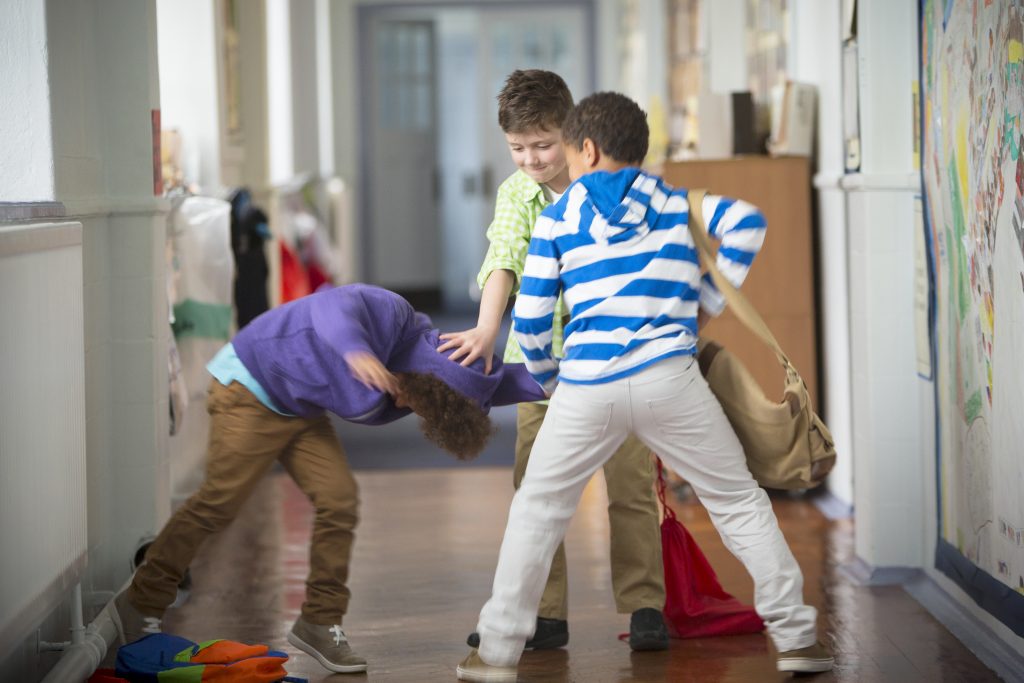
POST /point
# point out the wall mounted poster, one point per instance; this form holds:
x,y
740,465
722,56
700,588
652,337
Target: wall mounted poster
x,y
972,80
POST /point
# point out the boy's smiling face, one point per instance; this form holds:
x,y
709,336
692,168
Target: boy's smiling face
x,y
541,155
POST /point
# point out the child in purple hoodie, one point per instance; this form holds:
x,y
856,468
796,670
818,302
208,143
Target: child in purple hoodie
x,y
357,351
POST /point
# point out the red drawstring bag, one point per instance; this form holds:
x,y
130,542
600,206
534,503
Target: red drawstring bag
x,y
294,278
695,604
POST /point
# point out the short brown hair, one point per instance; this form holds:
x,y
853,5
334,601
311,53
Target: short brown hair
x,y
447,418
533,99
616,124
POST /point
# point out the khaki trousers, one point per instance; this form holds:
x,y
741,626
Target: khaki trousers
x,y
245,439
637,574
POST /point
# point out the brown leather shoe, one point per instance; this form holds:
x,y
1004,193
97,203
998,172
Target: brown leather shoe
x,y
805,660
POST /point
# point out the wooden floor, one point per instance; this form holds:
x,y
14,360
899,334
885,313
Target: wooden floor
x,y
424,559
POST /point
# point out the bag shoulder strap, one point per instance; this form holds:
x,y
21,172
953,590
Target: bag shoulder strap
x,y
740,305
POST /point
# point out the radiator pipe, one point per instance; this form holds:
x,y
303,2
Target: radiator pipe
x,y
77,620
88,645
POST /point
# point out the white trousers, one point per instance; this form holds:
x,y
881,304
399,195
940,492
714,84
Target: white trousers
x,y
670,408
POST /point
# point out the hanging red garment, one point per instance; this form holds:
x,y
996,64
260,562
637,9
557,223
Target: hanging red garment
x,y
696,606
318,278
294,279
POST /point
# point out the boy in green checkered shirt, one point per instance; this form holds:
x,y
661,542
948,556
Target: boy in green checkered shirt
x,y
531,108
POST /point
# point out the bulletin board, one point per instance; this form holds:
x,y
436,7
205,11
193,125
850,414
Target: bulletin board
x,y
972,98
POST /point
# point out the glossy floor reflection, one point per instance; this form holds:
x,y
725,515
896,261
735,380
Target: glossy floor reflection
x,y
425,555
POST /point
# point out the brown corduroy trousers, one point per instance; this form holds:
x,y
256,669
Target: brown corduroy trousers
x,y
246,438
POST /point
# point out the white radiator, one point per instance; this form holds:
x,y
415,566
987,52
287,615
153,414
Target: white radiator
x,y
43,530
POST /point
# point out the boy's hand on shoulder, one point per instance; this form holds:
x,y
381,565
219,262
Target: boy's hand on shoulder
x,y
470,345
368,369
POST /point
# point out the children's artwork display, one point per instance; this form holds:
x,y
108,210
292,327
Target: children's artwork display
x,y
972,81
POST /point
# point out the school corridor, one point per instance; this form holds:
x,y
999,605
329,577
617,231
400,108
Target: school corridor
x,y
173,170
424,560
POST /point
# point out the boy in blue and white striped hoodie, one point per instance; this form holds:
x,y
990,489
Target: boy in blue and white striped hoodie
x,y
617,247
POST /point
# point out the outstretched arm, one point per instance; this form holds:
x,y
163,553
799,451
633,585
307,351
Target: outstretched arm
x,y
740,227
479,341
509,238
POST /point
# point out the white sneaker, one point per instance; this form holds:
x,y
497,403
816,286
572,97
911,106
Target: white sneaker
x,y
811,659
475,669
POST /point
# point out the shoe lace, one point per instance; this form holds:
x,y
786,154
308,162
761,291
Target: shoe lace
x,y
152,625
339,635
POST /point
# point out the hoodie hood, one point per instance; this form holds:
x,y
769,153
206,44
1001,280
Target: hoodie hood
x,y
619,201
506,384
296,352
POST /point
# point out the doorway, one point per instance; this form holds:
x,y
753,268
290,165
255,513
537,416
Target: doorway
x,y
431,177
400,160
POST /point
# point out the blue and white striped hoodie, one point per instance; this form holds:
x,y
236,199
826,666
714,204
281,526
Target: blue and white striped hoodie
x,y
618,247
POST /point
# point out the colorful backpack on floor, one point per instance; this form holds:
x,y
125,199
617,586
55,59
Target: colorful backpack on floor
x,y
163,658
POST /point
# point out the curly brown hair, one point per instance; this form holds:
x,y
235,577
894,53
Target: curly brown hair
x,y
447,418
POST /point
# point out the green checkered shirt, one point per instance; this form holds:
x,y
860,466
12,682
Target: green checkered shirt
x,y
519,203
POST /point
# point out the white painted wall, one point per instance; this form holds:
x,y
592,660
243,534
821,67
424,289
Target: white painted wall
x,y
889,493
101,78
26,164
245,162
644,75
298,89
727,56
189,100
189,87
305,85
814,57
279,92
193,100
192,95
887,443
324,89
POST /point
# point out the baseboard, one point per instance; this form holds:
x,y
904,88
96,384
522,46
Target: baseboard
x,y
993,651
986,645
832,507
860,573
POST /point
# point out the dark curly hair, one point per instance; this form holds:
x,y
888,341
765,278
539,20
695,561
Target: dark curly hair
x,y
616,124
447,418
532,99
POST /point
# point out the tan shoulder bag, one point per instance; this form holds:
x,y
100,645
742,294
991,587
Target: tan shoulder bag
x,y
786,443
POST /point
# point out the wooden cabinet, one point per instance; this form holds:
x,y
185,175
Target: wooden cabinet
x,y
781,283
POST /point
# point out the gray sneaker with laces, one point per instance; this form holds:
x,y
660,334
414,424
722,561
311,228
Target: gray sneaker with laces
x,y
327,645
131,623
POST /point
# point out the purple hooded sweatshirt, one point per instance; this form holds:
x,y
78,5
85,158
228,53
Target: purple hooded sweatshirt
x,y
296,353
